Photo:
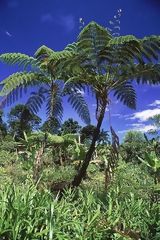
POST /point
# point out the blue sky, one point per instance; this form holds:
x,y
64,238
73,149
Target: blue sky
x,y
25,25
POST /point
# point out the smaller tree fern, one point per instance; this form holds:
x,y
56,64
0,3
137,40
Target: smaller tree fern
x,y
44,71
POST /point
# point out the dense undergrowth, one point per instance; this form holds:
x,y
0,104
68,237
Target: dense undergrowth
x,y
125,210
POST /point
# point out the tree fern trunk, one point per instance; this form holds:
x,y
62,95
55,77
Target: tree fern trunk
x,y
82,171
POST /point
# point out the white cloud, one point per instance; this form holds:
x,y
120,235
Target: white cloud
x,y
144,115
155,103
142,127
138,127
47,18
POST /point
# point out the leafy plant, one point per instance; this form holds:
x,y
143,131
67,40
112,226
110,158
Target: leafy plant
x,y
153,163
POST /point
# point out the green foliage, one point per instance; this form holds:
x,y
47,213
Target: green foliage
x,y
134,145
156,125
103,64
29,213
112,64
70,126
153,163
19,79
21,120
131,178
58,174
3,126
7,158
18,58
87,134
8,144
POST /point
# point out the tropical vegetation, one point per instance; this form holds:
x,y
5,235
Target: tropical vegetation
x,y
61,180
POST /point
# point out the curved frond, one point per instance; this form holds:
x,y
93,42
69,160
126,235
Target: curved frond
x,y
91,41
36,100
20,79
78,103
151,48
19,59
54,105
43,51
122,40
143,73
126,94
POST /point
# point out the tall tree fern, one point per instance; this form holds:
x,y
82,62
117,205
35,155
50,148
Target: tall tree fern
x,y
112,64
44,71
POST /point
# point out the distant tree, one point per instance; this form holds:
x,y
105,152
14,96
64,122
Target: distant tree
x,y
3,126
134,136
133,146
156,124
20,119
51,126
87,134
70,126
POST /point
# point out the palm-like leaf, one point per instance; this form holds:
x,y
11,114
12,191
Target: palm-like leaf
x,y
20,79
36,100
54,105
19,59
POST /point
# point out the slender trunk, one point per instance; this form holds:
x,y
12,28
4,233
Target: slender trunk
x,y
38,163
82,171
38,160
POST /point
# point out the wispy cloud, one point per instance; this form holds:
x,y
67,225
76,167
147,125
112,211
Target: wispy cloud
x,y
65,21
155,103
47,18
8,34
144,115
138,127
68,22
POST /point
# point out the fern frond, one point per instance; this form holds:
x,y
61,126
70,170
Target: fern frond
x,y
122,40
19,59
148,73
36,100
54,105
92,39
18,79
126,94
43,51
71,47
78,103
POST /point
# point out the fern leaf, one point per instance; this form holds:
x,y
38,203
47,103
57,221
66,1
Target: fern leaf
x,y
18,79
19,59
78,103
126,94
122,40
